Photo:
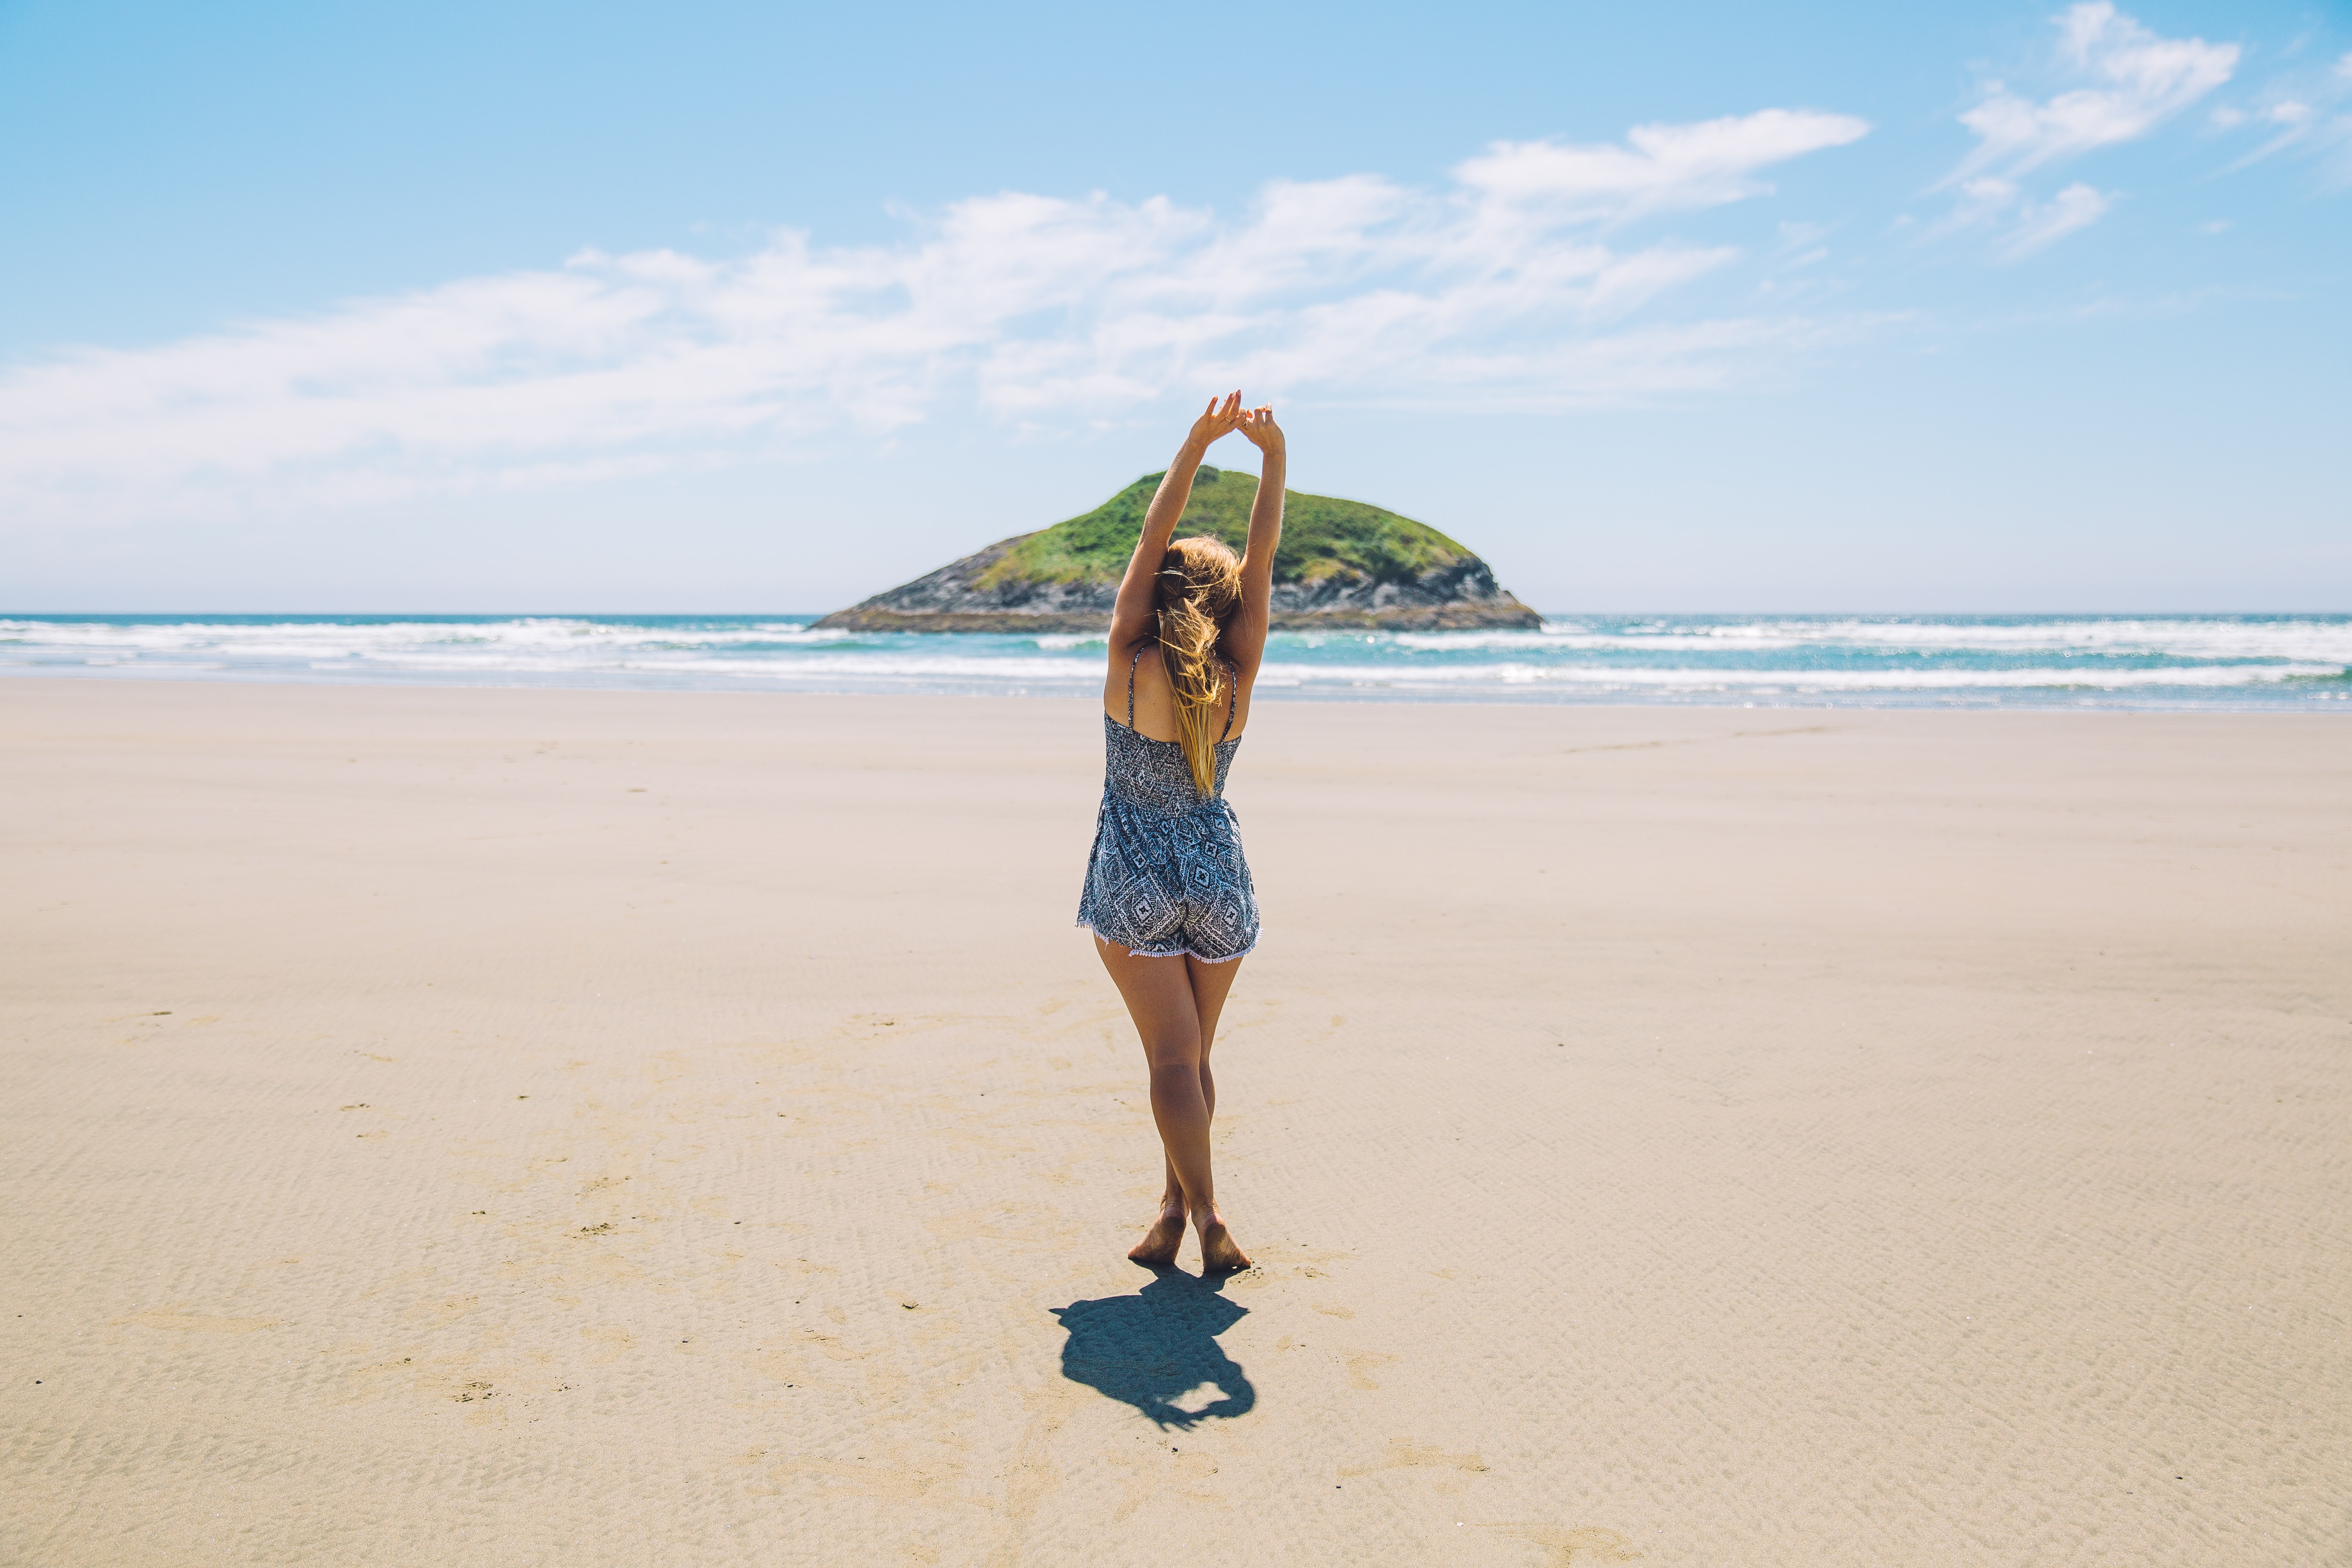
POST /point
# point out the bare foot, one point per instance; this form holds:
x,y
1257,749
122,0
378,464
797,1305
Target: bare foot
x,y
1220,1253
1158,1248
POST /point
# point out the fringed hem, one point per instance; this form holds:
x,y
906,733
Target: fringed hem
x,y
1098,935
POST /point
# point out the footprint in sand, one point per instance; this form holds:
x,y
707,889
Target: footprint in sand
x,y
610,1344
892,1483
186,1321
1403,1455
1571,1548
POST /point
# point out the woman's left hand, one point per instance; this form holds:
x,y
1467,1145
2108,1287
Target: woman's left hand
x,y
1216,422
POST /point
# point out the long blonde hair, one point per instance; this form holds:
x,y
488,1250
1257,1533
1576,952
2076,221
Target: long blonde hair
x,y
1196,591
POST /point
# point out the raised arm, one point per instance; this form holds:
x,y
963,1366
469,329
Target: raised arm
x,y
1131,618
1246,633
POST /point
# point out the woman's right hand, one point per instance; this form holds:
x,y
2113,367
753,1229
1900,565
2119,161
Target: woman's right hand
x,y
1216,422
1258,425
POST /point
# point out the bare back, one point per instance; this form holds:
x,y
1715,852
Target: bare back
x,y
1155,700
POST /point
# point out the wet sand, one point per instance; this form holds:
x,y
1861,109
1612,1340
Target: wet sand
x,y
542,1127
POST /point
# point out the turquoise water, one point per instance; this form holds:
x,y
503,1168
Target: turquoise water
x,y
2272,662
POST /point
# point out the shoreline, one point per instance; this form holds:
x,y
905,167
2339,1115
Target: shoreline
x,y
1269,692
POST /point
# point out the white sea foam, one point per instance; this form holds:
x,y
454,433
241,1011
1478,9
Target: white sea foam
x,y
814,668
2173,659
1787,680
2314,639
316,639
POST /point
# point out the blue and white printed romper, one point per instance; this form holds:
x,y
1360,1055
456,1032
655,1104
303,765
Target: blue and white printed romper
x,y
1167,877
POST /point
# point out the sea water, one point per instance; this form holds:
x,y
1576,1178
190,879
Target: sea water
x,y
2272,662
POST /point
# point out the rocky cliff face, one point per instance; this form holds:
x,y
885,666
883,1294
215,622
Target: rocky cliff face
x,y
1342,565
1449,598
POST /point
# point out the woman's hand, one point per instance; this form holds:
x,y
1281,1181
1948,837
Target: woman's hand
x,y
1263,433
1216,422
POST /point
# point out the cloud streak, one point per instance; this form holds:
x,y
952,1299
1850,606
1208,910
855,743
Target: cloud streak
x,y
2303,114
2040,223
2141,81
1510,289
2138,81
1664,166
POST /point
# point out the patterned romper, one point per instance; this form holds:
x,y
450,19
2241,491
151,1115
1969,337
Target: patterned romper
x,y
1167,876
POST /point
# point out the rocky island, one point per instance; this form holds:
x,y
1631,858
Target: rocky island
x,y
1342,564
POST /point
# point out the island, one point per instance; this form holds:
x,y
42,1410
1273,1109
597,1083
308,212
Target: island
x,y
1342,565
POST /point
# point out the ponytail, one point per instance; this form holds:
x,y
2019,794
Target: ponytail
x,y
1199,587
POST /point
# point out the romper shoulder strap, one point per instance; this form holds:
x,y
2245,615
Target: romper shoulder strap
x,y
1234,701
1130,684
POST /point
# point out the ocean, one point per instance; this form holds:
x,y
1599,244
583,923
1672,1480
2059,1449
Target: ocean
x,y
2171,661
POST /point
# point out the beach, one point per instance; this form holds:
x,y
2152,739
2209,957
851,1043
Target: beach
x,y
511,1127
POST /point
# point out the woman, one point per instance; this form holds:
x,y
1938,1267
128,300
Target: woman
x,y
1168,894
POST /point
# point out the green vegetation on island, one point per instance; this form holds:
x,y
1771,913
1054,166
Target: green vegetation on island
x,y
1322,537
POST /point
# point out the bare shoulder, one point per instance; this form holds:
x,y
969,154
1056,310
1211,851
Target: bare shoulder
x,y
1125,661
1124,654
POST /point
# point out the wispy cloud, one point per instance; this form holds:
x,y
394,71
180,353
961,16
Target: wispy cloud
x,y
2040,223
2140,79
2302,111
1662,166
2136,81
1507,290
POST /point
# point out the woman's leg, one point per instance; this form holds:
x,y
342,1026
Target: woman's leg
x,y
1210,984
1177,1023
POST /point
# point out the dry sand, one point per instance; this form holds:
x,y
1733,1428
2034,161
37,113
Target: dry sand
x,y
496,1127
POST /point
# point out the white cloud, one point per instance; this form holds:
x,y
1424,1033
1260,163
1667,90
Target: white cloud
x,y
2138,81
2141,80
1987,200
1056,314
1666,166
1802,245
1981,200
2039,225
2303,110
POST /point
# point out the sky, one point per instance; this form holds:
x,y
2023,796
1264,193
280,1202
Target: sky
x,y
734,308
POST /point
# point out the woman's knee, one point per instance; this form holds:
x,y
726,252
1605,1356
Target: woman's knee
x,y
1173,1047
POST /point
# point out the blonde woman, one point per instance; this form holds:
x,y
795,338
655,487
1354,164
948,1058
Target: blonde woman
x,y
1168,893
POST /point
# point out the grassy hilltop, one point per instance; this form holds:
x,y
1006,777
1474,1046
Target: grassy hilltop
x,y
1322,537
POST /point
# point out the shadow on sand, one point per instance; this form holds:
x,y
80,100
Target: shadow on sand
x,y
1157,1350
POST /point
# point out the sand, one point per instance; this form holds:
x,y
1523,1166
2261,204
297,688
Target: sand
x,y
457,1127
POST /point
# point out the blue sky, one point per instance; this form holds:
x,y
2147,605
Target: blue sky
x,y
718,307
